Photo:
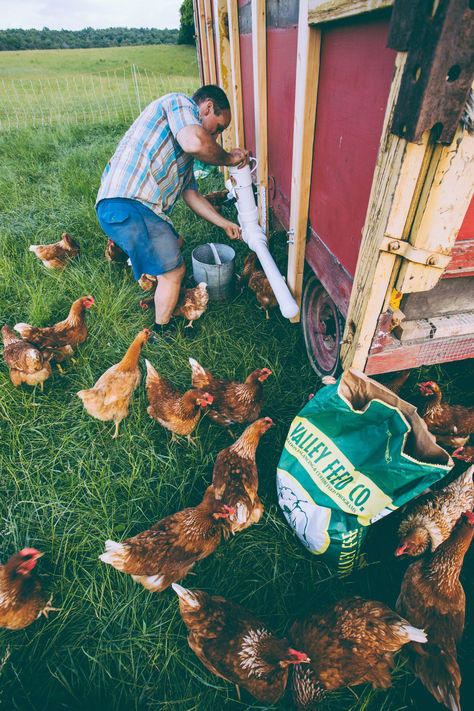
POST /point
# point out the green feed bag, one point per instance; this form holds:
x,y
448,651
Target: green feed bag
x,y
355,453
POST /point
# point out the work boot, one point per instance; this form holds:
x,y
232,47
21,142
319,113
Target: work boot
x,y
163,332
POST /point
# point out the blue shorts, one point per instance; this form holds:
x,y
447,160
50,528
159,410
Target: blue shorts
x,y
150,242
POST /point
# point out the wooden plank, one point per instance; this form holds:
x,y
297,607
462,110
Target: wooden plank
x,y
329,10
462,259
223,59
437,327
373,279
197,36
307,77
446,201
236,76
203,42
323,262
418,353
211,53
259,54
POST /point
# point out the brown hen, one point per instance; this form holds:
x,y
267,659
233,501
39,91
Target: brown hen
x,y
70,332
21,598
177,411
432,597
235,477
236,645
233,402
431,518
350,642
109,398
192,303
56,256
258,283
168,550
26,363
114,253
451,424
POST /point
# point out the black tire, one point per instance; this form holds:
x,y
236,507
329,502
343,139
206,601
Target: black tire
x,y
323,327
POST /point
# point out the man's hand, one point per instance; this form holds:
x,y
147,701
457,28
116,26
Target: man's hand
x,y
232,230
239,157
203,208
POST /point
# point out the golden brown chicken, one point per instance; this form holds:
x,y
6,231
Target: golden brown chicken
x,y
236,645
451,424
147,282
70,332
26,363
21,597
168,550
235,477
432,597
217,197
114,253
350,642
177,411
56,256
192,303
258,283
233,402
431,517
109,398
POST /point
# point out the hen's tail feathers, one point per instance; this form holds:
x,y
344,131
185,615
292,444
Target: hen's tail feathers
x,y
415,634
21,328
154,583
439,672
200,377
198,369
115,554
151,373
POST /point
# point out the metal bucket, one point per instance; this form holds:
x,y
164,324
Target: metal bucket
x,y
214,264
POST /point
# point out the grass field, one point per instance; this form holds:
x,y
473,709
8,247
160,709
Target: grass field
x,y
47,87
66,486
176,60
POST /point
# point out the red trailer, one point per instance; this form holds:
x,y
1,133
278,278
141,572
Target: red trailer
x,y
354,112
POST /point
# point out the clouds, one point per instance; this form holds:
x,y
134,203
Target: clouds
x,y
57,15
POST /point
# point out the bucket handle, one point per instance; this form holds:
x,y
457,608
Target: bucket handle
x,y
217,259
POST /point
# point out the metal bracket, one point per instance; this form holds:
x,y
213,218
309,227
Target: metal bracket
x,y
439,70
414,254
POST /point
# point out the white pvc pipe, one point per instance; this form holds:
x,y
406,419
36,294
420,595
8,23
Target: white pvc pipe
x,y
240,186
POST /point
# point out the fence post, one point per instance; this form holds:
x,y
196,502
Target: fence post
x,y
136,87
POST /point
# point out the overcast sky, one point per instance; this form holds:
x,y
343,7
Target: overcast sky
x,y
77,14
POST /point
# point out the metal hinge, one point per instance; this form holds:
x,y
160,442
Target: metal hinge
x,y
414,254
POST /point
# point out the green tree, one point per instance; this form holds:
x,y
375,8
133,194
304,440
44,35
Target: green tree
x,y
186,28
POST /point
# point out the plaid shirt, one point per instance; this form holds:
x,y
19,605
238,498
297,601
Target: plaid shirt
x,y
149,165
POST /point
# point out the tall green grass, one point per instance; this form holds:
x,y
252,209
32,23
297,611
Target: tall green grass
x,y
66,486
178,60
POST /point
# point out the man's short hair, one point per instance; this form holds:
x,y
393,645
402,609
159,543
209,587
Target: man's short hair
x,y
215,94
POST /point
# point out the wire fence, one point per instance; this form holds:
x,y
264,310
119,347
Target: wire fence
x,y
103,97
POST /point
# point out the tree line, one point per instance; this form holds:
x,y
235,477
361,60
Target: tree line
x,y
17,39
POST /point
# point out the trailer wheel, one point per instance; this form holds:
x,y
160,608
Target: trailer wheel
x,y
323,327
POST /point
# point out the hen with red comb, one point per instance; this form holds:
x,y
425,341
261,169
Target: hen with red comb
x,y
451,424
236,645
21,598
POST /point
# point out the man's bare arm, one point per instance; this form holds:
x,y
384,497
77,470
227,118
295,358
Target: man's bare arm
x,y
196,141
203,208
